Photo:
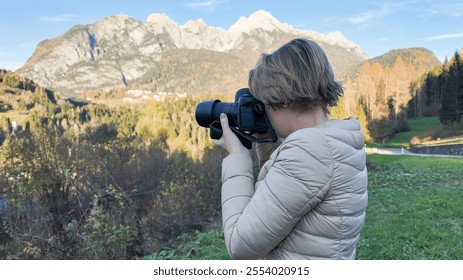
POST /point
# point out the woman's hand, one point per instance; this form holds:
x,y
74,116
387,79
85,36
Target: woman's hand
x,y
229,141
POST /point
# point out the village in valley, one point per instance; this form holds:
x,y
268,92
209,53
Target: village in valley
x,y
138,95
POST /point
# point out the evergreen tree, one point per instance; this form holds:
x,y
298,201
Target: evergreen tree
x,y
452,96
459,81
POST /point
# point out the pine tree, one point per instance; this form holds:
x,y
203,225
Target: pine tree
x,y
459,80
452,95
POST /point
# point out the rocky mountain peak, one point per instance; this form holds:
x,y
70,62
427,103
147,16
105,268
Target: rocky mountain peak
x,y
197,26
160,22
159,18
120,21
164,27
120,51
258,20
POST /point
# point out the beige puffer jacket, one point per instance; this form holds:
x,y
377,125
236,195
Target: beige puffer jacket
x,y
308,202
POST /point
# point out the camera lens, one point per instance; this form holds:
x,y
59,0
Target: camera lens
x,y
209,111
204,112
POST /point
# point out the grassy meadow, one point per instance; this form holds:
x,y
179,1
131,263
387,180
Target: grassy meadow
x,y
415,209
415,212
426,128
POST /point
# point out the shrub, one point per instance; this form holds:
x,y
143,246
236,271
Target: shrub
x,y
78,194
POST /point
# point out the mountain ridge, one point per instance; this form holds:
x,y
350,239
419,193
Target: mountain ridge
x,y
417,56
409,55
122,52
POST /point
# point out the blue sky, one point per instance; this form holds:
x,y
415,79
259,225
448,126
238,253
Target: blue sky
x,y
376,26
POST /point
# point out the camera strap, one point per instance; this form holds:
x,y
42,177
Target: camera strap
x,y
245,138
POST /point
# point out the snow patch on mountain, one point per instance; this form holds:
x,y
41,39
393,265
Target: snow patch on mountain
x,y
265,21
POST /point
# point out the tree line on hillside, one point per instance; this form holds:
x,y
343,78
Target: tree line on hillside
x,y
383,92
440,93
18,93
391,92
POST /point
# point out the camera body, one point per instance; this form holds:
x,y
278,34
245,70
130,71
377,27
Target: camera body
x,y
246,116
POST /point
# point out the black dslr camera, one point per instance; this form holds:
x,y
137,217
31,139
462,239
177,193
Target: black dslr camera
x,y
246,116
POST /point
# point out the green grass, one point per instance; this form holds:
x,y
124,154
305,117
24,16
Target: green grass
x,y
421,127
208,245
432,165
415,211
418,127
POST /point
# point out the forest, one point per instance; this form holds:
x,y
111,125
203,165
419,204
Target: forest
x,y
89,181
440,93
391,91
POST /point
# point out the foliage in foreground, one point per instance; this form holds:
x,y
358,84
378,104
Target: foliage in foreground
x,y
81,183
208,245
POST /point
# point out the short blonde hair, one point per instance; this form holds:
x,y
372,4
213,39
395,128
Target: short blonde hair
x,y
298,75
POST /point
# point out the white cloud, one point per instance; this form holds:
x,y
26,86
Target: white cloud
x,y
368,16
208,4
59,18
444,37
384,10
451,9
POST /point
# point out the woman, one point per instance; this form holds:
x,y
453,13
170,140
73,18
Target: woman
x,y
310,196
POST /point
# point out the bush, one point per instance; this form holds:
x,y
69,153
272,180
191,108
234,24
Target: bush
x,y
435,134
76,193
416,140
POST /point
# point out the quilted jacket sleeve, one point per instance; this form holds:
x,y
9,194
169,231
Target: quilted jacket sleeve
x,y
256,218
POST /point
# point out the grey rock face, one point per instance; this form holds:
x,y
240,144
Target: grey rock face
x,y
119,51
